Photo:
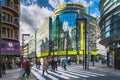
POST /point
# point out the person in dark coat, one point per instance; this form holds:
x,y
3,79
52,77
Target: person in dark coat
x,y
53,65
3,67
38,64
27,69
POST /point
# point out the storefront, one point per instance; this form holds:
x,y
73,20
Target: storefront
x,y
10,52
117,58
110,59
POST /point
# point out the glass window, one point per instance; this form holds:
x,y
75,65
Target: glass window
x,y
107,28
11,19
3,31
3,16
107,34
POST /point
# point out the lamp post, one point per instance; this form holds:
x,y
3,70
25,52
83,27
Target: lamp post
x,y
84,21
35,48
67,46
23,35
0,35
53,49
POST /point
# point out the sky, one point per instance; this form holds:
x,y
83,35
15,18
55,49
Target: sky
x,y
34,12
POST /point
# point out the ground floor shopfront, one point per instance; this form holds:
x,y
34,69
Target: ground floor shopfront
x,y
10,52
113,58
11,61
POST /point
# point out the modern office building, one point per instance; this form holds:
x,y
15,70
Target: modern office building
x,y
10,15
110,30
63,35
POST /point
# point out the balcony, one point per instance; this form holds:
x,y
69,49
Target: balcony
x,y
14,24
14,9
9,37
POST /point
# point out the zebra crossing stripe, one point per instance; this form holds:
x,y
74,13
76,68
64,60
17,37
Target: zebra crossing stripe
x,y
75,74
37,75
61,76
92,73
51,77
84,73
69,75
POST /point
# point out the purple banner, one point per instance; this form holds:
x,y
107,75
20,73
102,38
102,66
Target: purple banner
x,y
10,47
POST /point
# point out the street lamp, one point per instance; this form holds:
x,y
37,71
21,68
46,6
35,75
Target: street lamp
x,y
23,35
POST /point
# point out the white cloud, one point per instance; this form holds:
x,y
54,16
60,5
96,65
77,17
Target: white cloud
x,y
32,17
55,3
83,2
95,15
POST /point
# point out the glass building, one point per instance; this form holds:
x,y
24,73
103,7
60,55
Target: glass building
x,y
110,30
65,33
62,34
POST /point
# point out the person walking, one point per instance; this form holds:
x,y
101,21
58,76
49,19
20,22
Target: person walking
x,y
28,69
3,67
53,65
64,64
45,66
24,67
56,64
38,64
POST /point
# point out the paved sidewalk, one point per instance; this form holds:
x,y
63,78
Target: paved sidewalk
x,y
104,68
100,67
12,74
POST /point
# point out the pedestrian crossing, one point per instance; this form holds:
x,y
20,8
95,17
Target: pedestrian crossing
x,y
62,74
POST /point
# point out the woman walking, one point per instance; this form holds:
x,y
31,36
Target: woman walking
x,y
45,67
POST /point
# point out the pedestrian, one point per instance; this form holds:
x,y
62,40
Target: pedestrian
x,y
59,62
3,67
56,64
53,65
45,66
28,69
38,64
24,67
64,64
70,61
